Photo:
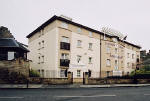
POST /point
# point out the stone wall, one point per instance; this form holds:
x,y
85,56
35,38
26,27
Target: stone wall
x,y
98,81
14,70
56,81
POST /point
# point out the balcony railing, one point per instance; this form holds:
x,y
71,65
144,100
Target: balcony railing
x,y
64,45
64,62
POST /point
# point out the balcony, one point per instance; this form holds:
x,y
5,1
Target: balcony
x,y
64,62
64,45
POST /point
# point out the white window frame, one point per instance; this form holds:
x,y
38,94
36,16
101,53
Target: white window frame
x,y
79,58
11,55
90,46
116,64
42,59
108,49
64,56
65,39
78,73
108,62
79,43
62,73
90,60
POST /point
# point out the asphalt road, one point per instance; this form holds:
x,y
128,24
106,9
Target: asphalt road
x,y
77,94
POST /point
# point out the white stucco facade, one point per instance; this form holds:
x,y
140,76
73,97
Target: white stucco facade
x,y
85,53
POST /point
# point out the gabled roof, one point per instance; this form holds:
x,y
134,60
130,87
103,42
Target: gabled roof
x,y
11,43
61,19
73,23
8,42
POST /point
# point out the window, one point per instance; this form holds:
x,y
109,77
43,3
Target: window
x,y
78,73
39,33
79,43
132,65
108,62
116,50
90,34
132,56
64,56
90,60
128,54
128,64
116,65
11,55
63,73
108,49
90,45
42,31
42,59
64,25
43,44
39,60
78,58
65,39
39,45
122,64
42,73
79,30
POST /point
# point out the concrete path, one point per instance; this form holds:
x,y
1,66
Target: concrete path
x,y
69,86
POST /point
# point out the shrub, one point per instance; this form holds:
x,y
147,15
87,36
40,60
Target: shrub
x,y
34,73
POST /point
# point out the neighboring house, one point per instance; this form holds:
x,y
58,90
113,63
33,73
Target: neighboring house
x,y
145,58
10,49
13,55
61,45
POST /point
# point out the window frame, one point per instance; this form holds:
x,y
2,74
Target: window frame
x,y
78,73
79,43
65,39
108,63
79,58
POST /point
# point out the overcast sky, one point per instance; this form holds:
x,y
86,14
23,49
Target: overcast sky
x,y
131,17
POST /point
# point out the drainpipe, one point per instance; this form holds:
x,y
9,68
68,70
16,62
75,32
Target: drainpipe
x,y
100,57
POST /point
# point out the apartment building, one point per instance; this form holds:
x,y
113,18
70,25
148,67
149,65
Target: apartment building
x,y
61,45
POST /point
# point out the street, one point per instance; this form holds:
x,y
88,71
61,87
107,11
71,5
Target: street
x,y
77,94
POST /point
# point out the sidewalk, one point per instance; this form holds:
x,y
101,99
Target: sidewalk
x,y
70,86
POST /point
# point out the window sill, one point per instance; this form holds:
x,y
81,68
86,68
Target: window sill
x,y
90,49
64,28
90,63
91,36
79,47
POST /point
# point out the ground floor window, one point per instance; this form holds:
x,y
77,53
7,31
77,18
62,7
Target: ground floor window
x,y
63,73
78,73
